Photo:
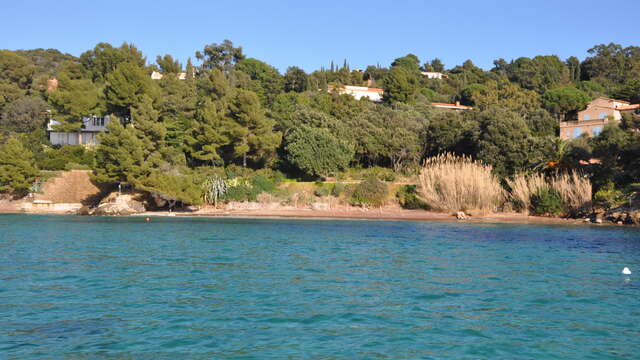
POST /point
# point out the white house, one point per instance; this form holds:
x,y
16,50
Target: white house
x,y
434,75
158,76
359,92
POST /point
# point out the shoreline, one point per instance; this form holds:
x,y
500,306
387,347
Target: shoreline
x,y
375,214
387,214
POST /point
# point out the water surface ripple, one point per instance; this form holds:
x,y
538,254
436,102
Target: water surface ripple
x,y
119,288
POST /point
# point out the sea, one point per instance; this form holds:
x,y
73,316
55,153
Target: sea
x,y
232,288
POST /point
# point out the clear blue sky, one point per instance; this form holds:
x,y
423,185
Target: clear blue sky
x,y
312,33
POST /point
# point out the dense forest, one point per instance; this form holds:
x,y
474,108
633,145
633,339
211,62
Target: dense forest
x,y
230,114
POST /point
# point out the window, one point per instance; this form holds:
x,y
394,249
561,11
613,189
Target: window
x,y
603,115
585,117
596,130
577,132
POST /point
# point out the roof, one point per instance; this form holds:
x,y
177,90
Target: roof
x,y
357,88
451,106
629,107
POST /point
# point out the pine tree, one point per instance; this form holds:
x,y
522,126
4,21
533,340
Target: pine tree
x,y
17,168
206,137
251,132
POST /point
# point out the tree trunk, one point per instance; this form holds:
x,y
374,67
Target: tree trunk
x,y
244,160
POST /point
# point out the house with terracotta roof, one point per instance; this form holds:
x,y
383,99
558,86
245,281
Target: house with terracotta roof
x,y
593,119
359,92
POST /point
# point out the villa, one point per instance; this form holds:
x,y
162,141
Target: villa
x,y
359,92
158,76
592,120
434,75
87,135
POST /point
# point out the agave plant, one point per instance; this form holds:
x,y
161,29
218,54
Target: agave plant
x,y
214,189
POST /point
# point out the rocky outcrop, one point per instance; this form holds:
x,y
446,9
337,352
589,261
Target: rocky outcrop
x,y
620,215
120,205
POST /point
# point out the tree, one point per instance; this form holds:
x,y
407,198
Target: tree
x,y
295,79
75,99
573,65
435,65
266,81
502,141
251,132
120,156
317,152
26,114
565,100
207,135
400,86
17,168
220,56
15,69
409,62
539,74
126,86
449,132
104,59
168,65
610,62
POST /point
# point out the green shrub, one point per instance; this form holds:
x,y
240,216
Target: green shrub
x,y
235,171
239,190
338,189
323,189
58,158
370,192
261,183
546,201
407,196
608,196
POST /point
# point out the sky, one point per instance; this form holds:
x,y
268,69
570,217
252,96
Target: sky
x,y
311,34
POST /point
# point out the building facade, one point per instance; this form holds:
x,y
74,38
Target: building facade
x,y
359,92
595,117
434,75
87,135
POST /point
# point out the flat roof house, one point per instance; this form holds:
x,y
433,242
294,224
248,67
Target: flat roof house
x,y
455,106
434,75
592,120
359,92
87,135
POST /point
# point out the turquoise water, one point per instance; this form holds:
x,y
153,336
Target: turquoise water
x,y
119,288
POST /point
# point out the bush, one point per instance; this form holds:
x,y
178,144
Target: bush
x,y
407,196
546,201
338,189
57,159
239,190
370,192
261,183
608,196
452,183
323,189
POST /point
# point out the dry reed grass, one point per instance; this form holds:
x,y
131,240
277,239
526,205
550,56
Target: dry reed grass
x,y
452,183
574,189
522,187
